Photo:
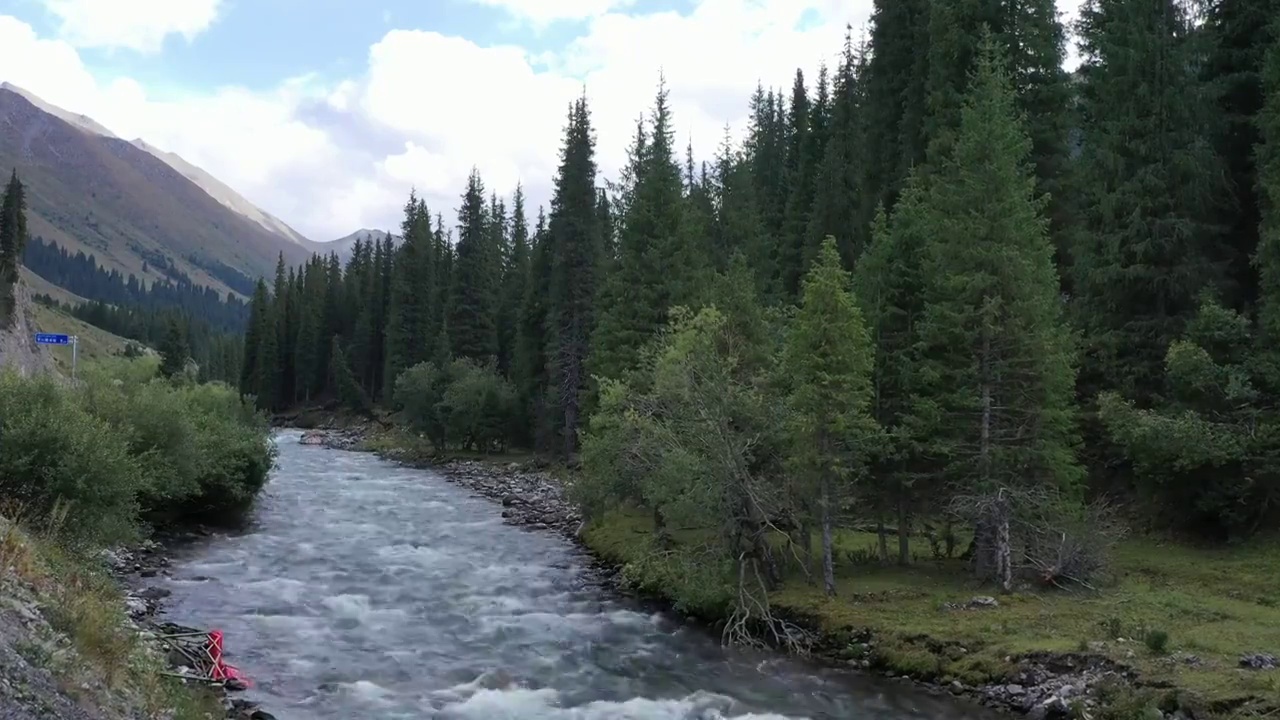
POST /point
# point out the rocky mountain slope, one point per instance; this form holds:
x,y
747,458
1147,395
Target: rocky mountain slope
x,y
18,348
138,209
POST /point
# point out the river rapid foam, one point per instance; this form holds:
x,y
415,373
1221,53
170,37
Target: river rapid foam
x,y
364,589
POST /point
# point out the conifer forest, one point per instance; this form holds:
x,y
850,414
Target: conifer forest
x,y
945,290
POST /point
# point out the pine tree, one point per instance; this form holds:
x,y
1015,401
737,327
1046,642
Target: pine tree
x,y
473,332
896,97
253,339
1267,258
573,234
637,289
890,288
175,351
738,227
799,178
1148,192
266,384
997,391
529,371
829,357
1241,32
13,239
413,312
515,276
840,207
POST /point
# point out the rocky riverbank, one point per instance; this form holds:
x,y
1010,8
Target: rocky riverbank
x,y
137,569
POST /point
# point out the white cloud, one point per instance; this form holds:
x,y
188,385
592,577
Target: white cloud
x,y
140,25
329,157
541,13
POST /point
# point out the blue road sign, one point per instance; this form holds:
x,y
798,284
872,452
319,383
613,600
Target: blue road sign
x,y
53,339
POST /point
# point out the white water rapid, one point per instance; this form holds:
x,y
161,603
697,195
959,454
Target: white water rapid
x,y
368,590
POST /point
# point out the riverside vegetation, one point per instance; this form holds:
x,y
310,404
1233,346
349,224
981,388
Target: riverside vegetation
x,y
102,462
950,320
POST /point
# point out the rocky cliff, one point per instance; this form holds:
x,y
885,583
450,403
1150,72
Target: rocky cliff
x,y
18,348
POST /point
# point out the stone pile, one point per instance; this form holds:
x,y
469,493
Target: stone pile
x,y
530,498
1048,686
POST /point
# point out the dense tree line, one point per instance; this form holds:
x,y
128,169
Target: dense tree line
x,y
947,284
216,354
84,276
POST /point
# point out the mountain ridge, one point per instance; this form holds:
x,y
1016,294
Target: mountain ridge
x,y
130,207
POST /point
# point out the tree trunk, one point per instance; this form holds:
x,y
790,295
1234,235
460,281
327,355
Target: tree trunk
x,y
828,550
806,545
904,528
1004,553
882,537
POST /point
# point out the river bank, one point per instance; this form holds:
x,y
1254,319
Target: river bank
x,y
138,570
69,648
1045,655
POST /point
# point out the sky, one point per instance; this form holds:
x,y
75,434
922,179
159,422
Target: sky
x,y
326,112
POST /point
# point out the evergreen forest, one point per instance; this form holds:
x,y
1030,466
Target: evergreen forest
x,y
962,283
944,291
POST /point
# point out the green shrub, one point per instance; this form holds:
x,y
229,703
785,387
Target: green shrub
x,y
466,405
1157,641
125,447
53,451
202,450
479,407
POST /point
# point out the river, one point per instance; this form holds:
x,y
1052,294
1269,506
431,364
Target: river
x,y
363,589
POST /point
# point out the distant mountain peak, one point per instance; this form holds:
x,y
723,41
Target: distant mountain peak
x,y
216,189
344,245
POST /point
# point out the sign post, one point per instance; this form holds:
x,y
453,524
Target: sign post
x,y
60,339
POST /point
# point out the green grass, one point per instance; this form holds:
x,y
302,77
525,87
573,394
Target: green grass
x,y
94,342
1214,604
111,668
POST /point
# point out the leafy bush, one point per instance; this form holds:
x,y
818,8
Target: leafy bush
x,y
126,447
1157,641
203,451
479,407
53,451
419,391
467,405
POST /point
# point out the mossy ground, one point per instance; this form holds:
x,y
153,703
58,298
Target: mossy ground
x,y
88,643
1213,604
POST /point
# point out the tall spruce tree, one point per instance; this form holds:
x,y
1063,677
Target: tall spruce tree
x,y
13,239
413,296
515,276
1149,192
829,357
997,392
1239,34
896,96
636,291
1267,257
573,235
175,351
890,286
841,209
473,332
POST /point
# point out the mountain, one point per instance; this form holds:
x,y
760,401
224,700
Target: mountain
x,y
136,209
221,192
344,245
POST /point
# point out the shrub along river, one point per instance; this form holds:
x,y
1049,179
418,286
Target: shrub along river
x,y
368,590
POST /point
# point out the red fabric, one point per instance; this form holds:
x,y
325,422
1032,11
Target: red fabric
x,y
221,670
